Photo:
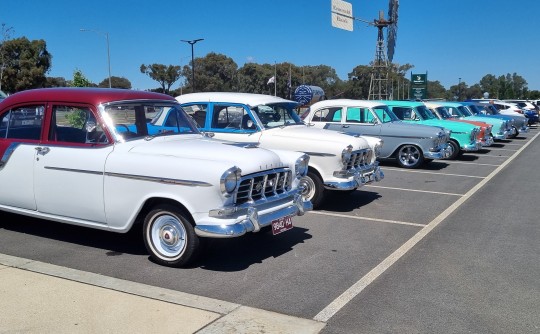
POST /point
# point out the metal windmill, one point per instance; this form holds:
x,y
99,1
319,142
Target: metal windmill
x,y
378,85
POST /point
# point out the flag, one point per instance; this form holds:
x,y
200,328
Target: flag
x,y
271,80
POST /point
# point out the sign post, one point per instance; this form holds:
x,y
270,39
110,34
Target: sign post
x,y
419,86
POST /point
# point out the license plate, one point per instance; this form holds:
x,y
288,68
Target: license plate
x,y
281,225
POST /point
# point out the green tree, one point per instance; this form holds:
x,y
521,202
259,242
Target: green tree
x,y
490,84
213,72
166,76
116,82
359,80
56,82
27,64
5,35
435,90
80,80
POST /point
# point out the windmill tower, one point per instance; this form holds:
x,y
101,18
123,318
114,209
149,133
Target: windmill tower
x,y
379,88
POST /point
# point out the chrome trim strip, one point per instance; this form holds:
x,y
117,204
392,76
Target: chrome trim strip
x,y
74,170
317,154
188,183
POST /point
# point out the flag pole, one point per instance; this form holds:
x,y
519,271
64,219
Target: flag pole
x,y
275,79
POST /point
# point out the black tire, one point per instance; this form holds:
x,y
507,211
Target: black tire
x,y
314,189
455,150
516,132
169,236
410,156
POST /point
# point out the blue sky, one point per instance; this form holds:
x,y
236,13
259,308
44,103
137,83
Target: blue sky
x,y
464,39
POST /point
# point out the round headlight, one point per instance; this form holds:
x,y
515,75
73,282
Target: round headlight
x,y
229,180
301,165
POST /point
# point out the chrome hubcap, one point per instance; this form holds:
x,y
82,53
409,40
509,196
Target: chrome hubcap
x,y
168,235
308,187
409,156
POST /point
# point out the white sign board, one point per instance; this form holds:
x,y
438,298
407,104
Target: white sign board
x,y
342,15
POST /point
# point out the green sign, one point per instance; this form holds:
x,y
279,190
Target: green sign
x,y
419,86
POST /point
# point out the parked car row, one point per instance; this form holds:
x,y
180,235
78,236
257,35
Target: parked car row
x,y
523,107
212,165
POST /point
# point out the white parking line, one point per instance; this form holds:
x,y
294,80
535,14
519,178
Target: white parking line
x,y
338,303
428,172
468,163
502,149
366,218
415,190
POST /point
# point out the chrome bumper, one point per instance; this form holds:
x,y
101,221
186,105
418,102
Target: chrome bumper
x,y
472,147
442,154
502,136
487,141
360,177
253,222
524,129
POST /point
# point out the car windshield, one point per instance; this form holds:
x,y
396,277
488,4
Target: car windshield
x,y
135,120
277,115
384,114
465,111
475,110
425,113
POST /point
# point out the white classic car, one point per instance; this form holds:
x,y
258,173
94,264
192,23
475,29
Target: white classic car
x,y
338,161
86,157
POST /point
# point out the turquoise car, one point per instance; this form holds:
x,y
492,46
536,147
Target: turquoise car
x,y
500,130
464,137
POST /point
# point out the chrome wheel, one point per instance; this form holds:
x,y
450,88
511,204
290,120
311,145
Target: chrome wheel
x,y
308,191
313,188
410,156
169,236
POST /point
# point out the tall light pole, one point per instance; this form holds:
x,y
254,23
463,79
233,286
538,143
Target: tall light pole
x,y
108,50
192,42
459,89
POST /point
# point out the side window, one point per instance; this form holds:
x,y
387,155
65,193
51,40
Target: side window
x,y
230,117
22,123
320,115
336,117
354,114
403,113
369,118
75,125
198,113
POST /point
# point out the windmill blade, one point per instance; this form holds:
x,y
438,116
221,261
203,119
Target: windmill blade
x,y
392,28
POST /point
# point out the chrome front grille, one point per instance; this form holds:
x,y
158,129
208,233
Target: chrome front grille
x,y
264,185
360,158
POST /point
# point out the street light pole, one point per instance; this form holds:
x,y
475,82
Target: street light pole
x,y
459,89
108,50
192,42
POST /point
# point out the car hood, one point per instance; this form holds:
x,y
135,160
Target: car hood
x,y
246,156
310,140
405,128
450,125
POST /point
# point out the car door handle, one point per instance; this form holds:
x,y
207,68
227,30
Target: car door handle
x,y
344,126
42,150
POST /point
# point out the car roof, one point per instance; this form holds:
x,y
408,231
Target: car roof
x,y
402,103
93,96
243,98
348,103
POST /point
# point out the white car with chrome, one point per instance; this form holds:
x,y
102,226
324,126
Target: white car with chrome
x,y
338,161
87,157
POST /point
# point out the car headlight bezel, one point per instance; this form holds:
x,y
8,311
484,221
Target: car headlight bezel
x,y
229,181
301,166
346,155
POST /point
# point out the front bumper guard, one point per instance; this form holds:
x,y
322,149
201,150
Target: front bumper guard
x,y
253,222
360,177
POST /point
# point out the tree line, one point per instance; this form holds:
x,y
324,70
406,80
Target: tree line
x,y
24,64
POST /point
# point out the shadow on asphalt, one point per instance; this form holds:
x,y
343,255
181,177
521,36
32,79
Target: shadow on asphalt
x,y
338,201
114,243
237,254
233,254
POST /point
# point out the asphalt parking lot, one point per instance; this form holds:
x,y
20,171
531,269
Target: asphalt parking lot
x,y
334,265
